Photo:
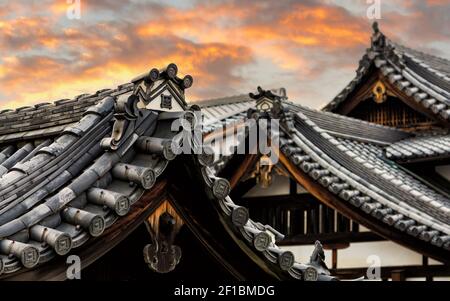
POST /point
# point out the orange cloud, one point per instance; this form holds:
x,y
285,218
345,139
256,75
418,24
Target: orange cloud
x,y
437,2
280,40
46,56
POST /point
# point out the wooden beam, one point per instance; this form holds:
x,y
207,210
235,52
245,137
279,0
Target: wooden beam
x,y
334,258
398,275
355,227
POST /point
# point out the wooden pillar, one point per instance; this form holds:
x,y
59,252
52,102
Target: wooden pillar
x,y
343,223
292,186
425,264
267,216
296,221
287,220
309,221
334,258
355,227
325,219
398,275
323,222
277,219
329,220
316,219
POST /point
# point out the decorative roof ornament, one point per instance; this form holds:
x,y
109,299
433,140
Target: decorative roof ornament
x,y
316,263
126,113
378,39
264,171
269,103
265,99
162,255
379,92
162,90
155,91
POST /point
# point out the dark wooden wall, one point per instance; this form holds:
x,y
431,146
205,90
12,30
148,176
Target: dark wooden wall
x,y
392,112
126,261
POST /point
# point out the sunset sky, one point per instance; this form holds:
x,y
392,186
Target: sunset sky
x,y
311,48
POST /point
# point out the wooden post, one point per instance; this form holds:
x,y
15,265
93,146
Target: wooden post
x,y
316,219
330,220
292,186
398,275
334,258
355,226
309,221
297,221
425,264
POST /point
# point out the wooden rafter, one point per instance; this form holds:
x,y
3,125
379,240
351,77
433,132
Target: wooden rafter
x,y
365,91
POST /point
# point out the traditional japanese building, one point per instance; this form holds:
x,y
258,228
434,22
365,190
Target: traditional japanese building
x,y
79,176
120,172
372,166
399,87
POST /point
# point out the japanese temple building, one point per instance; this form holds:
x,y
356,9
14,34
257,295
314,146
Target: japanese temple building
x,y
101,176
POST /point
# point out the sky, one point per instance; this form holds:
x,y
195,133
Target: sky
x,y
311,48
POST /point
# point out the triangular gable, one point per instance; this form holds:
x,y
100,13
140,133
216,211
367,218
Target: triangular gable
x,y
162,90
387,69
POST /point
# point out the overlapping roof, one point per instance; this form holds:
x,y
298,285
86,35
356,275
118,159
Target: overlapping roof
x,y
420,148
359,173
351,159
63,188
422,76
71,169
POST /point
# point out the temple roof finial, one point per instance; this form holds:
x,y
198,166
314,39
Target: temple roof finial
x,y
378,40
375,27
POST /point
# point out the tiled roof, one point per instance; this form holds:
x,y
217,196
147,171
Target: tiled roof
x,y
347,156
60,192
357,172
48,119
424,77
346,127
70,190
428,147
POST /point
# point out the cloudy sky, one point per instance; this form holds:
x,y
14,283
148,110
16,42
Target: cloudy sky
x,y
309,47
